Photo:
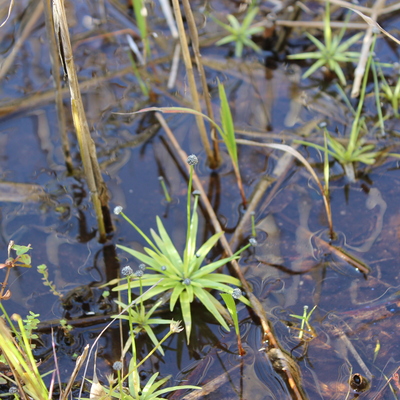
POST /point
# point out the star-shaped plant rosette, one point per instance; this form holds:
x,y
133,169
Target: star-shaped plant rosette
x,y
185,277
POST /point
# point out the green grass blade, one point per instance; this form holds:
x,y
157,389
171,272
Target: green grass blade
x,y
227,125
175,295
169,246
231,306
209,302
186,313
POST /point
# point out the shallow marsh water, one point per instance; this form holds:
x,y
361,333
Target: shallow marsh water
x,y
287,269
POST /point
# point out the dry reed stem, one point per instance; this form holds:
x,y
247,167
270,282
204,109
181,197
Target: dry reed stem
x,y
55,63
365,50
78,365
192,83
33,17
268,337
91,167
200,68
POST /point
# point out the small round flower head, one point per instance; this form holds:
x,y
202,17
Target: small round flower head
x,y
198,255
13,390
139,273
236,293
187,281
192,160
196,193
117,366
253,242
322,125
142,267
163,268
126,271
118,210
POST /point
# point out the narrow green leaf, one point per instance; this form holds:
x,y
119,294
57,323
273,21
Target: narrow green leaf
x,y
186,313
209,302
230,304
170,248
227,124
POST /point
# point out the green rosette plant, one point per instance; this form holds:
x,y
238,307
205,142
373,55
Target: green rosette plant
x,y
186,277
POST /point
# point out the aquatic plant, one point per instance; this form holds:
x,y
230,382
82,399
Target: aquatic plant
x,y
140,320
19,357
231,306
356,150
391,93
150,391
240,34
332,52
185,276
305,321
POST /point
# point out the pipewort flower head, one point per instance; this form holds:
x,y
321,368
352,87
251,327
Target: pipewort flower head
x,y
126,271
253,242
236,293
139,273
118,210
142,267
192,160
117,366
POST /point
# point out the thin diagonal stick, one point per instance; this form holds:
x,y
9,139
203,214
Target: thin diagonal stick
x,y
257,307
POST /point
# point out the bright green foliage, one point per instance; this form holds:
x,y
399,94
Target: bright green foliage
x,y
143,320
42,269
31,322
331,53
240,34
230,304
228,128
150,391
20,358
184,276
22,259
356,150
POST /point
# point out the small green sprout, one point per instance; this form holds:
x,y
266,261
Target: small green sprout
x,y
241,34
143,320
331,53
305,318
165,189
